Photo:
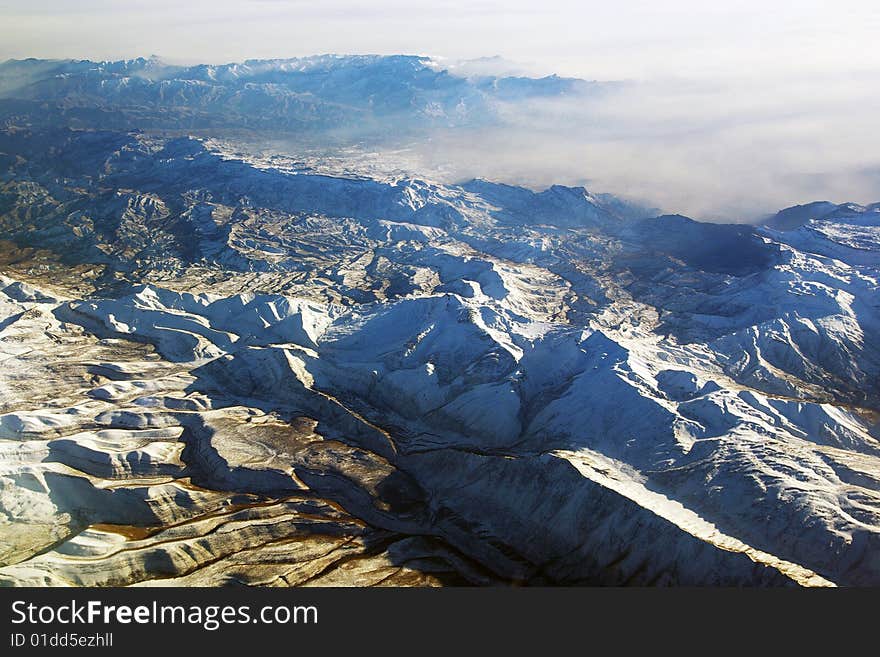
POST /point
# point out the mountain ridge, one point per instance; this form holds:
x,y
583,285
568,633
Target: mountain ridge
x,y
222,366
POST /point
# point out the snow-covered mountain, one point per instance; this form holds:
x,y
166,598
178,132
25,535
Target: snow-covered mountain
x,y
226,368
360,96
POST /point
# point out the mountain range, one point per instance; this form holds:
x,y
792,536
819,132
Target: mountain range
x,y
222,366
361,96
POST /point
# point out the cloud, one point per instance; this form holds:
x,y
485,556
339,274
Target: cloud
x,y
735,110
734,150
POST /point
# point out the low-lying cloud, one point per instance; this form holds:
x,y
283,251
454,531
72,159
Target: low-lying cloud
x,y
723,150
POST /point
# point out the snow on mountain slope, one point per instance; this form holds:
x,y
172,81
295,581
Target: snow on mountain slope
x,y
365,94
847,232
221,370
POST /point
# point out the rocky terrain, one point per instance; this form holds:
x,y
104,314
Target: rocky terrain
x,y
222,368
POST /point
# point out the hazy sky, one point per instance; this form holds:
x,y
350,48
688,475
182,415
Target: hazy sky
x,y
740,107
603,39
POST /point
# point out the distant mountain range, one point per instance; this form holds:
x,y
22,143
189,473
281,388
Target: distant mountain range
x,y
364,94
